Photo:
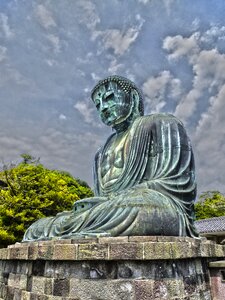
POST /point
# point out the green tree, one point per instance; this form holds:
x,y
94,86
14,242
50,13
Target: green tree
x,y
211,204
29,191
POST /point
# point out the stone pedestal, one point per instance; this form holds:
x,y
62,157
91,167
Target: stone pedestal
x,y
128,268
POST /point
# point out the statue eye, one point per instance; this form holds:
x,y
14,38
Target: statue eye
x,y
109,97
97,105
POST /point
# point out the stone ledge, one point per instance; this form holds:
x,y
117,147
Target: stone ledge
x,y
110,289
217,264
114,248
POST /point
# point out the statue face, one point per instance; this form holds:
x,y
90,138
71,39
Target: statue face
x,y
112,103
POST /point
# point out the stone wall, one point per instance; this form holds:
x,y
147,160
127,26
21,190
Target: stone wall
x,y
127,268
217,278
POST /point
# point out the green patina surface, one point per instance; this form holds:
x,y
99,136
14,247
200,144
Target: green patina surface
x,y
144,174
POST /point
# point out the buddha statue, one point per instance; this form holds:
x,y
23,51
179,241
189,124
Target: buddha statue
x,y
144,175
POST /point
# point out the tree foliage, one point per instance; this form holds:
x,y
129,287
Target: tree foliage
x,y
211,204
29,191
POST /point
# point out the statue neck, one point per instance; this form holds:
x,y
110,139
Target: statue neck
x,y
122,127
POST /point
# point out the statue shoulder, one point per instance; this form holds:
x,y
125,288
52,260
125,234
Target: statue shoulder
x,y
162,118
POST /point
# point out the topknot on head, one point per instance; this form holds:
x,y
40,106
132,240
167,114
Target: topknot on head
x,y
125,84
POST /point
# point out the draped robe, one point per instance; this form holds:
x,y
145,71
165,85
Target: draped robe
x,y
153,195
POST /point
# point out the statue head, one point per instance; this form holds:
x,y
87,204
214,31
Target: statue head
x,y
117,100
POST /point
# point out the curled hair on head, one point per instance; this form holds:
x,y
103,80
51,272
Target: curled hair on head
x,y
126,85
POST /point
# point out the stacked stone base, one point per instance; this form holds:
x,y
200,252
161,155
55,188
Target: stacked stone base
x,y
128,268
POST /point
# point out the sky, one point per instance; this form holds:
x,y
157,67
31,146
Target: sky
x,y
53,52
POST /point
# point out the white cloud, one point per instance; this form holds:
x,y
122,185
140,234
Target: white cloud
x,y
119,41
114,66
180,46
168,5
3,55
210,147
62,117
95,77
4,27
213,34
45,17
55,42
85,111
195,24
208,77
187,105
144,1
11,76
88,15
159,88
207,67
51,62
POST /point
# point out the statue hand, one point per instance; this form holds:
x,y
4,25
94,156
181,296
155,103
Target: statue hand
x,y
85,204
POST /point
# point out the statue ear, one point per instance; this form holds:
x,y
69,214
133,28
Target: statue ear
x,y
135,100
134,95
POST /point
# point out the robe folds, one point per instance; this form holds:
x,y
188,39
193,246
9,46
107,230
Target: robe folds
x,y
153,195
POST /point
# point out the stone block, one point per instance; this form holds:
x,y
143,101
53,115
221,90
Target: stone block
x,y
65,241
49,286
219,250
34,296
25,295
102,289
3,290
92,251
33,252
65,252
10,291
168,239
204,250
84,240
157,250
23,282
142,239
112,240
144,289
3,253
45,251
121,251
18,252
17,294
14,280
196,248
38,284
61,287
175,288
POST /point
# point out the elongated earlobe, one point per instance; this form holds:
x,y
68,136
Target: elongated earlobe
x,y
135,102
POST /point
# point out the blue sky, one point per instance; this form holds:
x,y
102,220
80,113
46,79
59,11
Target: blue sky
x,y
53,52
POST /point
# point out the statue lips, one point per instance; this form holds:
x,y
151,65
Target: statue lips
x,y
107,116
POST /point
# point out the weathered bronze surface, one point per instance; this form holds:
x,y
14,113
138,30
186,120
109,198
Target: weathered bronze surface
x,y
144,174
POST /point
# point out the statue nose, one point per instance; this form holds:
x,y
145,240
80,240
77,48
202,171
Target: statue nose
x,y
104,107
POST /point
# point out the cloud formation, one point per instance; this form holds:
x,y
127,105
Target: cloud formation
x,y
207,67
5,30
159,89
45,17
205,98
